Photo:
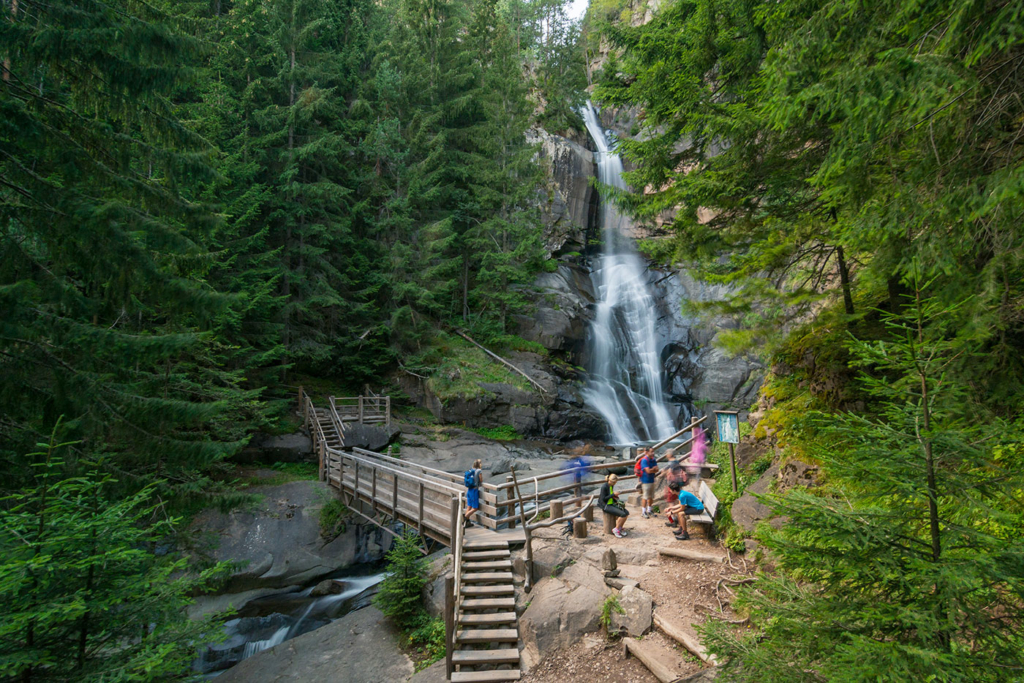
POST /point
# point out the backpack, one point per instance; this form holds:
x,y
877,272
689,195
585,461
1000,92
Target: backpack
x,y
638,470
469,479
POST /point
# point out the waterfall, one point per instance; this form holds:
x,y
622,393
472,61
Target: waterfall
x,y
625,384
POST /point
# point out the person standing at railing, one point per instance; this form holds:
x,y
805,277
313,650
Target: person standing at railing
x,y
473,478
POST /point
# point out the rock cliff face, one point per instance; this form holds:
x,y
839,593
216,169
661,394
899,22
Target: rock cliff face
x,y
569,203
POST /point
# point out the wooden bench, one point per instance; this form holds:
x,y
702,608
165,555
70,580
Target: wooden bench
x,y
710,506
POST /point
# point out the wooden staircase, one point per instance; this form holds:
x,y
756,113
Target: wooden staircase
x,y
486,630
329,428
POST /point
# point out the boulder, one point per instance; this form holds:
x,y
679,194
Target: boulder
x,y
797,473
433,591
296,447
506,464
371,437
747,510
551,557
277,543
326,587
361,647
608,561
638,608
560,612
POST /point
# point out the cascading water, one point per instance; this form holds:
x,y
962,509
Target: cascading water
x,y
625,366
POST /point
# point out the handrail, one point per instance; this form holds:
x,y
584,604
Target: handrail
x,y
447,475
406,475
457,551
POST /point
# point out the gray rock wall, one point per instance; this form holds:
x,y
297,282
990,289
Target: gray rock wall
x,y
569,202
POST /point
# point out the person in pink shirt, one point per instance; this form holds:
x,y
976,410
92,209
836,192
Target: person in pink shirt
x,y
698,454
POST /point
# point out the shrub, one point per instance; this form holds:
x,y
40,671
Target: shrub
x,y
400,594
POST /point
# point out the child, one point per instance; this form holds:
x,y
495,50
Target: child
x,y
688,504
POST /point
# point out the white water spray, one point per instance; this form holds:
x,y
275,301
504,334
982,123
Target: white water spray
x,y
625,366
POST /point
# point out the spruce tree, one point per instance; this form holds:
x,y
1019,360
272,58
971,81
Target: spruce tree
x,y
909,564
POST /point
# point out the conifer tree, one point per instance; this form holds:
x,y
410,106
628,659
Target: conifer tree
x,y
909,565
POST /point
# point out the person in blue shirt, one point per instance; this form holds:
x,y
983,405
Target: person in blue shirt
x,y
648,471
577,466
688,504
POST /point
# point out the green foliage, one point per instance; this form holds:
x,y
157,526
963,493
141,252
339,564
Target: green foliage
x,y
400,595
610,604
502,433
457,369
909,564
333,517
428,636
87,595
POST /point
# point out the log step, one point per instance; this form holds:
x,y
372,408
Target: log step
x,y
489,635
485,676
488,619
485,545
481,566
488,577
491,603
488,590
487,555
474,657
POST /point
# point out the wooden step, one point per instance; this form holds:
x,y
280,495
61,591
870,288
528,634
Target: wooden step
x,y
475,657
485,545
481,566
489,635
488,619
489,603
485,676
487,555
487,577
489,590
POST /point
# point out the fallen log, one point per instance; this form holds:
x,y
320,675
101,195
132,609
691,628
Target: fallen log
x,y
503,362
685,639
661,670
694,555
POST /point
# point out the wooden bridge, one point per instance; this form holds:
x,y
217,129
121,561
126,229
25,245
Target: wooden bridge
x,y
480,617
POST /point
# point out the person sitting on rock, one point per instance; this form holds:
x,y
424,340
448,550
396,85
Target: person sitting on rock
x,y
473,479
688,504
611,505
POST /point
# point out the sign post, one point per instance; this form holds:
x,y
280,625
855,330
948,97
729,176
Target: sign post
x,y
728,422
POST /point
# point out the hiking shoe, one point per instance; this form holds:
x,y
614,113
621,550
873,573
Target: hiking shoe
x,y
618,534
645,515
670,523
469,524
683,536
624,533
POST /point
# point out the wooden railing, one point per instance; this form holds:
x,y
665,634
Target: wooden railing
x,y
363,409
421,497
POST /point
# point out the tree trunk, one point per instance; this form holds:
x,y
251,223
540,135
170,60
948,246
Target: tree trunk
x,y
844,279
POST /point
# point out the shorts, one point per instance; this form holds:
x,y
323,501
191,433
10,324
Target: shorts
x,y
687,510
616,510
473,498
647,491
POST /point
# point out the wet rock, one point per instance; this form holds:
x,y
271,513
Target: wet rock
x,y
325,587
358,648
278,543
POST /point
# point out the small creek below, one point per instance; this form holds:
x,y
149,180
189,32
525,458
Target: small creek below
x,y
273,619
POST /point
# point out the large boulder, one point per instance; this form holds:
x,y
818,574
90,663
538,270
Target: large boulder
x,y
295,447
637,612
560,612
277,543
370,437
361,647
747,510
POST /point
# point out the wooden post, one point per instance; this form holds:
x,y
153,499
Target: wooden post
x,y
361,410
355,485
454,523
556,509
387,413
588,514
373,489
394,497
419,515
578,492
579,527
529,538
732,465
510,510
449,624
609,523
341,472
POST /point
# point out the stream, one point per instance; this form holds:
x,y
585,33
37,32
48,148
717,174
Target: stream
x,y
273,619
